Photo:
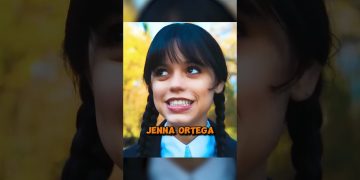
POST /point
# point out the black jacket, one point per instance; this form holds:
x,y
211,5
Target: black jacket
x,y
132,151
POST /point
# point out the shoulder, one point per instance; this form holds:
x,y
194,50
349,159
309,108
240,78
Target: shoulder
x,y
131,151
230,144
135,168
230,147
153,149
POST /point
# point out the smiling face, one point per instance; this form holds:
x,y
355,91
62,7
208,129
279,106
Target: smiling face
x,y
183,92
184,67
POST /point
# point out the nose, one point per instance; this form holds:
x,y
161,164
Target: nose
x,y
177,82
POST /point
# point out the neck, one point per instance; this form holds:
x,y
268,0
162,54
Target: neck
x,y
189,164
186,139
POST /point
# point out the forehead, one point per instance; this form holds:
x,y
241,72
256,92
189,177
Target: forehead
x,y
177,54
265,31
264,27
265,47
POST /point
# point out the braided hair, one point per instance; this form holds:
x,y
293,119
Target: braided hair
x,y
219,101
304,120
149,119
88,158
196,46
306,24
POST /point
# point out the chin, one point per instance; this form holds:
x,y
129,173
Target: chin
x,y
179,121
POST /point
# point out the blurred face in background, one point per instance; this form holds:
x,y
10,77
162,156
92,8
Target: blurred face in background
x,y
264,62
105,54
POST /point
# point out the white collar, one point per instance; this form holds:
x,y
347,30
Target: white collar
x,y
203,146
212,169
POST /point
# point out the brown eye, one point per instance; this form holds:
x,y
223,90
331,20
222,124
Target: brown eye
x,y
161,72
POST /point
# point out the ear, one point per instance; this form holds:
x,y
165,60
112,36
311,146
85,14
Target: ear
x,y
219,87
305,86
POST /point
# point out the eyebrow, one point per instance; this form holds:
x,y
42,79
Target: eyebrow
x,y
186,63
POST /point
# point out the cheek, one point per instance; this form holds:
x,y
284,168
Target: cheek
x,y
261,112
107,87
204,93
261,63
260,124
159,91
199,88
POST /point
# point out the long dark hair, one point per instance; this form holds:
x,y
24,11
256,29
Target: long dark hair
x,y
307,26
88,158
196,46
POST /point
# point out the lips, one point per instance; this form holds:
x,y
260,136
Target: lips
x,y
179,105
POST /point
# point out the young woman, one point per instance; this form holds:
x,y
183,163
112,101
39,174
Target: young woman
x,y
282,49
185,72
92,47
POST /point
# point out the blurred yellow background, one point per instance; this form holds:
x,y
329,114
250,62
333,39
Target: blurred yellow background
x,y
37,101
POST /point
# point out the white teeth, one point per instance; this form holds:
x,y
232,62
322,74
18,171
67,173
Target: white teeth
x,y
179,103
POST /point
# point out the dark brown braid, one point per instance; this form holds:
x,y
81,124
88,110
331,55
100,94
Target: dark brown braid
x,y
304,120
220,135
149,119
88,158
